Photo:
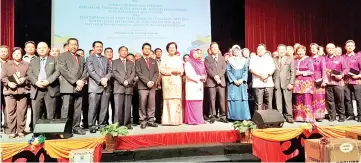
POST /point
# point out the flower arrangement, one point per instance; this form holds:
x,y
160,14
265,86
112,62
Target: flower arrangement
x,y
36,141
244,126
111,133
114,130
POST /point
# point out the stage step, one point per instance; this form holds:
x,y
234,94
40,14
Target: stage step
x,y
247,157
180,151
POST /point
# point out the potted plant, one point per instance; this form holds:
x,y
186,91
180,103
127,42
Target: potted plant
x,y
111,133
245,128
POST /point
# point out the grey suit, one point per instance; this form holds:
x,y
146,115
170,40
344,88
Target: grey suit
x,y
283,75
48,95
123,94
214,68
71,71
98,68
146,95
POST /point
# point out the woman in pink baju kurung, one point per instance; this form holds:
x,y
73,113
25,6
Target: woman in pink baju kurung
x,y
319,96
304,87
195,76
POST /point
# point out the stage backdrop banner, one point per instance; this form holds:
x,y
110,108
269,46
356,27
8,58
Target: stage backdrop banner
x,y
131,23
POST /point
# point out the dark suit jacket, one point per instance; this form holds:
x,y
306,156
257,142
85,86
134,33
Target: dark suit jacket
x,y
145,75
98,69
284,75
52,74
120,76
214,69
71,72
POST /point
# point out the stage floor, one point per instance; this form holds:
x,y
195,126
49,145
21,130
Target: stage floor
x,y
217,126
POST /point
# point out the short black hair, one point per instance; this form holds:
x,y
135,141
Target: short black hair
x,y
108,48
80,50
122,47
185,55
131,54
30,42
66,44
90,51
146,44
96,42
156,49
70,39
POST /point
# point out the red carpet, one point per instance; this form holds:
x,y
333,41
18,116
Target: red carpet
x,y
180,138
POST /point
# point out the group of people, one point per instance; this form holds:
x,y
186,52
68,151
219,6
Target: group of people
x,y
151,89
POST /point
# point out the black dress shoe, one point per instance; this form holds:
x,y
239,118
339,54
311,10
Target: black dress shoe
x,y
129,127
223,120
93,129
143,126
359,119
350,118
152,124
341,119
79,132
212,121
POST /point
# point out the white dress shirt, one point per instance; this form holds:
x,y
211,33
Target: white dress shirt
x,y
262,65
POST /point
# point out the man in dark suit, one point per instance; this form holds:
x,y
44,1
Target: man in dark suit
x,y
284,78
100,71
135,98
108,53
158,90
43,74
73,73
124,73
148,72
216,83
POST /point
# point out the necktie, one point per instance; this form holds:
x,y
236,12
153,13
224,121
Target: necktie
x,y
216,60
42,73
75,58
125,66
280,62
147,60
100,61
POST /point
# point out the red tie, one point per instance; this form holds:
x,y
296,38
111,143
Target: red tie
x,y
147,60
75,58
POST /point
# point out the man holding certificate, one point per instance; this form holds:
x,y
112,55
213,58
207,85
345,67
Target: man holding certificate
x,y
352,80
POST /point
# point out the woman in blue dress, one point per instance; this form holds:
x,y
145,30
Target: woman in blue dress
x,y
237,72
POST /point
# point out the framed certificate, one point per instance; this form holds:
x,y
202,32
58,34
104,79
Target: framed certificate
x,y
81,155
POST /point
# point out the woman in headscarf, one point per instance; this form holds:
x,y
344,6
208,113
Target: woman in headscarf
x,y
196,75
237,72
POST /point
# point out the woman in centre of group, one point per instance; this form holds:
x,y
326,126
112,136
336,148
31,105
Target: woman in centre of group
x,y
171,69
196,75
319,64
237,72
304,87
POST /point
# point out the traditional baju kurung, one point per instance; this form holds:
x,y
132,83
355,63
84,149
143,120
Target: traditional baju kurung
x,y
238,108
172,90
303,91
194,97
319,95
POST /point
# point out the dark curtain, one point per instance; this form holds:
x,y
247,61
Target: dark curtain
x,y
7,23
284,21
